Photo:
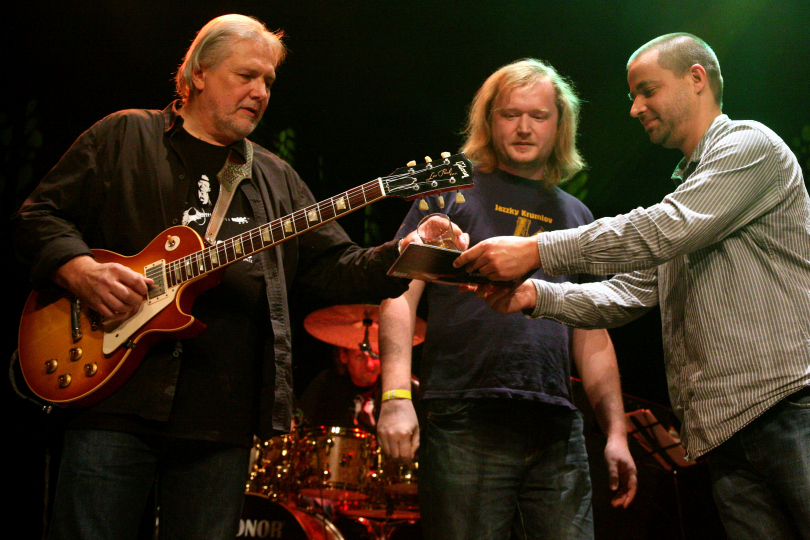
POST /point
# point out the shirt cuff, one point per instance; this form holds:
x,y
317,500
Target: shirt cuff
x,y
560,252
549,300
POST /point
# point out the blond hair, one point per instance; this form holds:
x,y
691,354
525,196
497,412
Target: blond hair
x,y
565,160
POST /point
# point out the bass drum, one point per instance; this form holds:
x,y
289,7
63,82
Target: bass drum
x,y
263,518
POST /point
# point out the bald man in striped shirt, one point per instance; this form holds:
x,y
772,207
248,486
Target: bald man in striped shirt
x,y
727,258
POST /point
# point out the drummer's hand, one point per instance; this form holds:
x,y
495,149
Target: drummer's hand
x,y
398,429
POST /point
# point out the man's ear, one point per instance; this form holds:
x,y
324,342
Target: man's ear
x,y
198,78
698,77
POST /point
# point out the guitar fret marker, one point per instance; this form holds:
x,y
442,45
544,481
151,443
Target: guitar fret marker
x,y
312,216
237,246
288,226
266,235
341,203
214,256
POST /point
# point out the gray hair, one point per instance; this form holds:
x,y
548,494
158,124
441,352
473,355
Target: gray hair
x,y
213,45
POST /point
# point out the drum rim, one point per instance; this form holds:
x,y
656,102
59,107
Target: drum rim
x,y
339,430
295,512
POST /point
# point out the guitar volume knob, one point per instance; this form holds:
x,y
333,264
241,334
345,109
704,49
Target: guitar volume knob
x,y
90,369
64,380
75,354
51,365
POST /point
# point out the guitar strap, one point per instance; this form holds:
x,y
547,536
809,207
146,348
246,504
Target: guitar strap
x,y
233,172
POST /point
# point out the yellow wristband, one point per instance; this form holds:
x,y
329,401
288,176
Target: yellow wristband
x,y
396,394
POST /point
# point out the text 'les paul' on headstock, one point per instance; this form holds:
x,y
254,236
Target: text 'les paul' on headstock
x,y
451,173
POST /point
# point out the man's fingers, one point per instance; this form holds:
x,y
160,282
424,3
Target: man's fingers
x,y
132,280
470,255
464,240
382,439
414,443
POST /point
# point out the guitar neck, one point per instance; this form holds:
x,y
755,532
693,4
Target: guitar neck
x,y
268,235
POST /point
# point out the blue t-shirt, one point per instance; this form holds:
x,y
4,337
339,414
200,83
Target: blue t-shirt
x,y
471,351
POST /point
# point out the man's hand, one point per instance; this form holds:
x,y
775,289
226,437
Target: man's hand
x,y
462,238
111,289
507,299
622,475
398,429
502,258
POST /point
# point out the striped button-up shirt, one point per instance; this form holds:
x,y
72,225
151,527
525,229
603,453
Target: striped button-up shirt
x,y
727,257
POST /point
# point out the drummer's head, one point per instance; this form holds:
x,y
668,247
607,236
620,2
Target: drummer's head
x,y
362,367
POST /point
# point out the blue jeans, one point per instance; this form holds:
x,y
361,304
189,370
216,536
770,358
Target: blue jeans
x,y
488,468
761,476
105,479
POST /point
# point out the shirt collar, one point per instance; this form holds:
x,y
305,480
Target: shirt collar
x,y
687,166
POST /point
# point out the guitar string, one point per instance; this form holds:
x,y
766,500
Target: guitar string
x,y
355,196
188,267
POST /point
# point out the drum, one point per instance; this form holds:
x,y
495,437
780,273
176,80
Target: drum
x,y
397,476
391,507
272,467
335,463
263,518
393,492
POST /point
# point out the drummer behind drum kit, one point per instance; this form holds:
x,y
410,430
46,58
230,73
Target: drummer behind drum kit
x,y
295,479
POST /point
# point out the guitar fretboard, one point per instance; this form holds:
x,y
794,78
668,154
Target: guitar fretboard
x,y
269,234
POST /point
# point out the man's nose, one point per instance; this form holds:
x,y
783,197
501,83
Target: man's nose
x,y
637,107
260,90
524,124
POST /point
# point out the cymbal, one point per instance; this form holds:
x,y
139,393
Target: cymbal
x,y
344,325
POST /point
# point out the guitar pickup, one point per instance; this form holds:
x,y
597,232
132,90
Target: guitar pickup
x,y
156,272
76,318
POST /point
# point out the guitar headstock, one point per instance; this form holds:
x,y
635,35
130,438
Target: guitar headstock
x,y
450,173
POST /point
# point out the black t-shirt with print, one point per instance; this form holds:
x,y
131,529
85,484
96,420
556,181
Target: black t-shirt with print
x,y
220,373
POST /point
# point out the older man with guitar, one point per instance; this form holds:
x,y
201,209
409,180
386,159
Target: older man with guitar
x,y
114,334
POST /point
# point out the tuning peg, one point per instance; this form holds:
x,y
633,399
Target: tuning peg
x,y
423,205
427,159
445,155
441,201
411,164
460,198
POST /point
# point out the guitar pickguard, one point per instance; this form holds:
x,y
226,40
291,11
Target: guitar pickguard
x,y
116,336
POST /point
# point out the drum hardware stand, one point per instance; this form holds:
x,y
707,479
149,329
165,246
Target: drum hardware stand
x,y
365,346
659,443
381,529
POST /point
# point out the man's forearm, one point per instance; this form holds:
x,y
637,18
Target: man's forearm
x,y
397,323
595,359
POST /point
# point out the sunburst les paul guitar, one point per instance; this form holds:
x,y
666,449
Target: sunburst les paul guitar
x,y
70,357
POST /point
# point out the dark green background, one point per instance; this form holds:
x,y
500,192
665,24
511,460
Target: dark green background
x,y
368,86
